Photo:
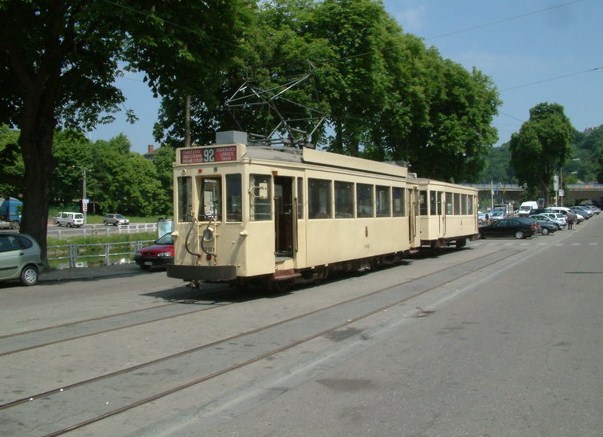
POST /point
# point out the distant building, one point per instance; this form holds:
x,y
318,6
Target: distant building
x,y
150,152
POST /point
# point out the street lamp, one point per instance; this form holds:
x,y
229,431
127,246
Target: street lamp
x,y
84,199
560,190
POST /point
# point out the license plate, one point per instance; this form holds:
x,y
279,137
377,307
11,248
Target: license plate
x,y
148,263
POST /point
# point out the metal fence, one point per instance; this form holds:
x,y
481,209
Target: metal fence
x,y
101,230
87,255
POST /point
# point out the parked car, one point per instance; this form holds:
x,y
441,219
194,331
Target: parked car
x,y
555,217
518,227
581,213
594,208
547,223
497,214
115,220
20,258
69,219
159,254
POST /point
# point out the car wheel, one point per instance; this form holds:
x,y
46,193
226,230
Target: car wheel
x,y
519,235
29,275
545,231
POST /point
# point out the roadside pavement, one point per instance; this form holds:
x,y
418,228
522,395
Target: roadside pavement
x,y
84,273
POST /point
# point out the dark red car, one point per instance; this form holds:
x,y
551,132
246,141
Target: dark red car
x,y
160,254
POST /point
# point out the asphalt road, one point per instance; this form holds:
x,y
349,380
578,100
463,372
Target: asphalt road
x,y
500,339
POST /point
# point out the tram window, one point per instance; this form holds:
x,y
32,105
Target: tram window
x,y
471,205
319,198
383,201
398,202
433,203
300,198
448,203
344,200
185,198
464,206
423,202
441,196
457,203
233,198
364,200
259,198
210,207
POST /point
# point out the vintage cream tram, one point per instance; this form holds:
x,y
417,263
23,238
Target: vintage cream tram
x,y
247,213
447,213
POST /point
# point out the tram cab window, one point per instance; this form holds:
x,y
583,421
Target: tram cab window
x,y
441,197
433,203
364,200
300,198
319,199
383,201
344,199
464,205
457,203
185,198
260,198
423,204
210,196
398,202
448,203
233,198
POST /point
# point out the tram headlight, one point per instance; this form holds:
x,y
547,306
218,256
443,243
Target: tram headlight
x,y
208,234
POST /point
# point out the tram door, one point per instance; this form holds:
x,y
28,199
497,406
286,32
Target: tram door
x,y
284,226
442,212
413,211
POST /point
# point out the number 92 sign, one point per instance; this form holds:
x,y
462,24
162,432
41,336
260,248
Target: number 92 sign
x,y
196,155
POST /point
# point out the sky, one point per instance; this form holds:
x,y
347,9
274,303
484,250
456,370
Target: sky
x,y
534,51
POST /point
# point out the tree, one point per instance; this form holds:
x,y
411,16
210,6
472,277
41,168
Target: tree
x,y
11,163
541,147
163,160
73,154
498,166
59,59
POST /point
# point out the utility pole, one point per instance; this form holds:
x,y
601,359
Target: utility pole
x,y
84,199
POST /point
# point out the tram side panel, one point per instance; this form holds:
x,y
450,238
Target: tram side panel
x,y
335,240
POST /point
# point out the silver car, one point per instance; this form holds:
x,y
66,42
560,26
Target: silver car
x,y
115,220
20,258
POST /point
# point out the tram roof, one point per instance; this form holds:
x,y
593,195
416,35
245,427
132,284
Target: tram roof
x,y
322,158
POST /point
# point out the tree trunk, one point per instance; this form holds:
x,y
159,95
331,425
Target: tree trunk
x,y
36,139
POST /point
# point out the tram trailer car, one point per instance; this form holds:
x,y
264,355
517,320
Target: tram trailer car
x,y
447,213
277,215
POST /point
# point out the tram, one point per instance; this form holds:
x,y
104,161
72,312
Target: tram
x,y
276,215
447,213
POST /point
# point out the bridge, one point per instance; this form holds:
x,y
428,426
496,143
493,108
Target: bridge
x,y
501,193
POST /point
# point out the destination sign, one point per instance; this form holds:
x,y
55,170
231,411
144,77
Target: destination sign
x,y
208,154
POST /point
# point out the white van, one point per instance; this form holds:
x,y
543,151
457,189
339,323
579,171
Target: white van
x,y
69,219
526,208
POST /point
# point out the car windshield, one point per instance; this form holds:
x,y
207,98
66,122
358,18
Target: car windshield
x,y
165,239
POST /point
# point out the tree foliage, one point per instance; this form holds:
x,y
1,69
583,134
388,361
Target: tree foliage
x,y
11,163
541,147
59,60
384,94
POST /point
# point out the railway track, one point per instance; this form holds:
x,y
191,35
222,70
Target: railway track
x,y
88,401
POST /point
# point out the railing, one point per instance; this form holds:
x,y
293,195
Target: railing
x,y
85,255
101,230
